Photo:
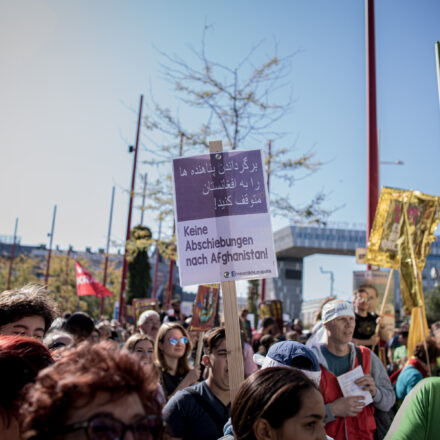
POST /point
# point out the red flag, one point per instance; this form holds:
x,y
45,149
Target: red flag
x,y
87,285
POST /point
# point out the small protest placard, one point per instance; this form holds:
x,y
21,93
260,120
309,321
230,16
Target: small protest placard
x,y
273,308
205,307
223,224
349,388
142,304
374,283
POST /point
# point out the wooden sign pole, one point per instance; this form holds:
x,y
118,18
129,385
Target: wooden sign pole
x,y
417,276
199,349
232,324
384,301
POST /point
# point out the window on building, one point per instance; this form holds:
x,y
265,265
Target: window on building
x,y
292,274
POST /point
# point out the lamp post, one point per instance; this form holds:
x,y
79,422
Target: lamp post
x,y
372,147
130,209
104,281
8,285
46,278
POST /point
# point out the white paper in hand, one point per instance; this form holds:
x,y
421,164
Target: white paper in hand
x,y
349,388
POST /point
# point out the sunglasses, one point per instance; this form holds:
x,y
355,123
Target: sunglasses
x,y
183,340
105,426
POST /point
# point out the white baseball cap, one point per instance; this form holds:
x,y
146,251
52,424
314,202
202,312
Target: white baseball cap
x,y
335,309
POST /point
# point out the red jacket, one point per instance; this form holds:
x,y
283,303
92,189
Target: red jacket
x,y
361,427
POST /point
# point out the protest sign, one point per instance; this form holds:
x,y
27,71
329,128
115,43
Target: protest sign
x,y
205,307
273,308
347,383
401,237
129,314
142,304
223,224
389,226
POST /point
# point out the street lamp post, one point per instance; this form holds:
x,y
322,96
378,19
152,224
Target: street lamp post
x,y
46,278
8,285
130,210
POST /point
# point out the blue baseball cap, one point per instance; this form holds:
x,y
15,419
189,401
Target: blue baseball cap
x,y
283,353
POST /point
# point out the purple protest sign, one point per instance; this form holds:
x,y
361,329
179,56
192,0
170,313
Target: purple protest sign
x,y
219,184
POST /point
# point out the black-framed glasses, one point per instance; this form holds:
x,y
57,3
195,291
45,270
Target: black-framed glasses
x,y
105,426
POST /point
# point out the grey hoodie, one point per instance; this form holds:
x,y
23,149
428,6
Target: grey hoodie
x,y
385,396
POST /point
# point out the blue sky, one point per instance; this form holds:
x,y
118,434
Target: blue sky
x,y
71,74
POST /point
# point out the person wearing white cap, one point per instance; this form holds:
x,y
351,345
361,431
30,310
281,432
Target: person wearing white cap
x,y
349,417
149,323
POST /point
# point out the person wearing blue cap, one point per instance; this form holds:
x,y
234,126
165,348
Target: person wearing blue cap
x,y
292,354
349,417
286,354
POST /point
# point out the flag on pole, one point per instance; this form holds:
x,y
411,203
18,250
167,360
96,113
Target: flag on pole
x,y
87,285
419,221
401,238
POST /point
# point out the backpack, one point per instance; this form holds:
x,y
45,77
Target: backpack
x,y
213,414
383,419
395,376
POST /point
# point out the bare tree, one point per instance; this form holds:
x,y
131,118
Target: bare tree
x,y
241,105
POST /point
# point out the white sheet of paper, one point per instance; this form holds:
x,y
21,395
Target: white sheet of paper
x,y
349,388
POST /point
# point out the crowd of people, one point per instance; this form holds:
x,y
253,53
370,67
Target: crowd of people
x,y
65,376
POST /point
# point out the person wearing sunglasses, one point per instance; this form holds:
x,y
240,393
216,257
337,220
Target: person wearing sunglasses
x,y
200,412
365,329
172,351
93,392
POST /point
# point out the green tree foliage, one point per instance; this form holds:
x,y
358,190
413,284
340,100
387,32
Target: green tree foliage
x,y
62,281
432,305
24,270
139,277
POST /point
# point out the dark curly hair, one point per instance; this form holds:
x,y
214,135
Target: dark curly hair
x,y
28,300
433,351
78,376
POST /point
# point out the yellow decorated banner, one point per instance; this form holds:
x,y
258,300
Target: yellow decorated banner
x,y
389,226
401,237
418,330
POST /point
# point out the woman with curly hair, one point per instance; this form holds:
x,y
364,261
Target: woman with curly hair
x,y
172,351
93,392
